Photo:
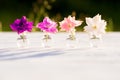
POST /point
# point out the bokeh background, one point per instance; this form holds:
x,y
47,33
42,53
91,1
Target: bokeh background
x,y
36,10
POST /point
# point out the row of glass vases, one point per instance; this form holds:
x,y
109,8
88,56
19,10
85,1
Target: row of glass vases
x,y
47,41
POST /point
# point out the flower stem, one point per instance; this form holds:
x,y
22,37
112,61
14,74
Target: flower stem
x,y
46,37
23,37
72,34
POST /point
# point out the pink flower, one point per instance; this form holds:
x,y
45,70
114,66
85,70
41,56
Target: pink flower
x,y
48,25
69,23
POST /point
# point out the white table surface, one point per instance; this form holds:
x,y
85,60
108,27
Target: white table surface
x,y
59,62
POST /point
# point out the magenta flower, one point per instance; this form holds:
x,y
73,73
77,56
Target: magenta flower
x,y
48,25
21,25
69,23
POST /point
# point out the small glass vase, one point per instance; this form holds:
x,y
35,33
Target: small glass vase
x,y
95,41
72,41
47,41
23,41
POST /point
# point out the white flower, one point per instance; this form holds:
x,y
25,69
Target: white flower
x,y
95,25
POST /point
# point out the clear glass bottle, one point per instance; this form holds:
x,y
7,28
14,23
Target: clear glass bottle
x,y
95,40
72,41
23,41
47,41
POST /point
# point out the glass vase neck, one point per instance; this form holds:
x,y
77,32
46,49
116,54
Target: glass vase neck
x,y
72,34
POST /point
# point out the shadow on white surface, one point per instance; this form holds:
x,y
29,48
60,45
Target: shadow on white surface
x,y
17,54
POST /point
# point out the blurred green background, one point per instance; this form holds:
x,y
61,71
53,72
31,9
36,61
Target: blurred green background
x,y
36,10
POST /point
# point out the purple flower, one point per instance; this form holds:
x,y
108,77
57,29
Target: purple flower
x,y
48,25
21,25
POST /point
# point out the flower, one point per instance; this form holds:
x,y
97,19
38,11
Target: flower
x,y
95,25
69,23
21,25
48,25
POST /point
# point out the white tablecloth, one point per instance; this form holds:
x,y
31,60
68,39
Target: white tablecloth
x,y
59,62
